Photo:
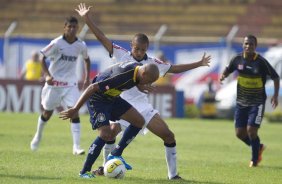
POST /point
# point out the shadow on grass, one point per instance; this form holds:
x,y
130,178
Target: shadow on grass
x,y
166,181
29,177
272,167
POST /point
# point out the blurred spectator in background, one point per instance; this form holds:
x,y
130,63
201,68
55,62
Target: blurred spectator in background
x,y
32,69
207,101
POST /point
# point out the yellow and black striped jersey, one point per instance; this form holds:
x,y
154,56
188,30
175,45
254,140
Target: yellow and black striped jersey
x,y
252,76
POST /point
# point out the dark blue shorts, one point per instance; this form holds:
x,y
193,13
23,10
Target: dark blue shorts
x,y
102,112
248,115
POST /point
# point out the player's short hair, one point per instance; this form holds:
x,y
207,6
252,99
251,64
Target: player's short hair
x,y
141,38
253,38
71,19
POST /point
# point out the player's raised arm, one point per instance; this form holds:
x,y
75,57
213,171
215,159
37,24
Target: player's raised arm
x,y
84,12
205,61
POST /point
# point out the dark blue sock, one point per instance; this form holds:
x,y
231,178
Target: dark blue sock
x,y
93,153
128,135
247,141
255,143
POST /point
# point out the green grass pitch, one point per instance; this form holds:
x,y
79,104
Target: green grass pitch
x,y
207,150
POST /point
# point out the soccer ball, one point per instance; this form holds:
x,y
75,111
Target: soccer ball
x,y
114,168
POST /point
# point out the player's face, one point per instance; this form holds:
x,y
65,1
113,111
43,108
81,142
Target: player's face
x,y
71,29
249,46
138,50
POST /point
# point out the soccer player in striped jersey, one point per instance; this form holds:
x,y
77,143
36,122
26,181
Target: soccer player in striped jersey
x,y
253,70
105,104
135,97
61,85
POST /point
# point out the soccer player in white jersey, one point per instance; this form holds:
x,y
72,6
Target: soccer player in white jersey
x,y
61,87
139,100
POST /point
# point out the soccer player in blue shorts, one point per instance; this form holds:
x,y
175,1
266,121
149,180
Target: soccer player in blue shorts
x,y
253,70
105,104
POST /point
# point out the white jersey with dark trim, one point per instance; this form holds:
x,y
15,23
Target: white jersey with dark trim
x,y
63,57
135,97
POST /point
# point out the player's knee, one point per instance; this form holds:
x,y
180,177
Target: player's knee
x,y
168,137
107,136
45,116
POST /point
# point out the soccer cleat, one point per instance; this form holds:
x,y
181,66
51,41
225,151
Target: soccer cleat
x,y
34,144
78,151
99,171
87,175
127,166
253,164
261,149
177,177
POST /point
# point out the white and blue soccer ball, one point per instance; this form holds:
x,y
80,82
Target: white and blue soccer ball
x,y
114,168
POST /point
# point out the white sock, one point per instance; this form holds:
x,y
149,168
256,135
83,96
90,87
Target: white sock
x,y
40,127
75,130
170,154
108,148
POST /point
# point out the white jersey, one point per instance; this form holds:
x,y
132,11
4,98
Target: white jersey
x,y
135,97
63,57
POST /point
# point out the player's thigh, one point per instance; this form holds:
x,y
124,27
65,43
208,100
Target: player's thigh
x,y
133,117
158,127
51,97
71,95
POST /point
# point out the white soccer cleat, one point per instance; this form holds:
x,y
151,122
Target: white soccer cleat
x,y
78,151
34,144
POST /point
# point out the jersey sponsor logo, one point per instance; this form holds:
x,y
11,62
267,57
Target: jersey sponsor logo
x,y
250,82
113,92
68,58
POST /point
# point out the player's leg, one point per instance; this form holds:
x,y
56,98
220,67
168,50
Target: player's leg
x,y
110,145
160,128
99,119
71,94
124,110
50,99
254,122
241,120
95,149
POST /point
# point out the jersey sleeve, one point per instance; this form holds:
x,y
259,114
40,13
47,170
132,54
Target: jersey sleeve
x,y
163,66
270,70
119,52
232,65
50,49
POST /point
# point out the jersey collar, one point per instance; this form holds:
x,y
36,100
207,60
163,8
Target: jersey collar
x,y
254,58
135,74
144,58
67,40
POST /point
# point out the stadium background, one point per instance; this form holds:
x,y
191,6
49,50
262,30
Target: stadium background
x,y
181,29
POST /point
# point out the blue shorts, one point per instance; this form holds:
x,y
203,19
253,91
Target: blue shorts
x,y
102,112
248,115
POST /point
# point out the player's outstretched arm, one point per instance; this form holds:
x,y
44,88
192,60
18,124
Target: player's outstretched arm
x,y
82,99
84,12
205,61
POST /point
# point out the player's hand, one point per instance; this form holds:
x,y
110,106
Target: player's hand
x,y
49,80
82,9
147,88
274,102
205,60
221,79
67,114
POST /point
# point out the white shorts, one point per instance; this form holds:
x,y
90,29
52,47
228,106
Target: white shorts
x,y
52,96
147,114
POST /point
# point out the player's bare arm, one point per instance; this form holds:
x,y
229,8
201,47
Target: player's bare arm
x,y
205,61
48,76
274,99
87,71
84,11
82,99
